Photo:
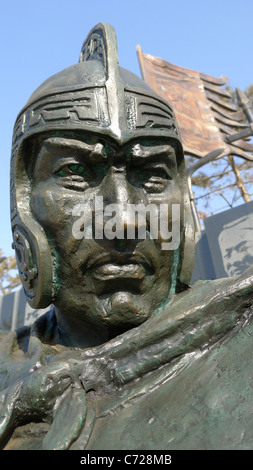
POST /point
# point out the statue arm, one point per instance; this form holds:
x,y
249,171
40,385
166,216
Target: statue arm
x,y
51,393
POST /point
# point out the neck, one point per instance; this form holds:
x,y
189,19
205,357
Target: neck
x,y
75,332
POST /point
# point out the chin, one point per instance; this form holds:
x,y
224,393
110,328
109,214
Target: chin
x,y
120,309
124,309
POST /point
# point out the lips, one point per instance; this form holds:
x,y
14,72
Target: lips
x,y
118,265
110,271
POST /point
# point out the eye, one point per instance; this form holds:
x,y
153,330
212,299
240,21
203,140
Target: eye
x,y
228,253
243,248
75,169
153,173
154,179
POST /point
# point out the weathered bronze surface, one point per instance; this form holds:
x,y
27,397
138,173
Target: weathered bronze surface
x,y
128,355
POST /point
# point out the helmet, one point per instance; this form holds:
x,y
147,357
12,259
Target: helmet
x,y
94,96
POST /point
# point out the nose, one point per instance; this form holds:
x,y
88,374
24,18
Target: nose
x,y
119,201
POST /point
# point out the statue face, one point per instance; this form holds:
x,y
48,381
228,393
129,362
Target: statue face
x,y
107,281
236,245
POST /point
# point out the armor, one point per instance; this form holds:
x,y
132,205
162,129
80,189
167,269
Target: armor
x,y
95,96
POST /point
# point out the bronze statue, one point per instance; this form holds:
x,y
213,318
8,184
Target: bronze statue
x,y
128,355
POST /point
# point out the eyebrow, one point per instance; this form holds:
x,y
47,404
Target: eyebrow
x,y
236,247
141,154
94,151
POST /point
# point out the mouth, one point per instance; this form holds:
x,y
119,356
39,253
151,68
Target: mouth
x,y
236,271
119,259
119,267
111,271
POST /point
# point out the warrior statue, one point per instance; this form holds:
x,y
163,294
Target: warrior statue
x,y
128,355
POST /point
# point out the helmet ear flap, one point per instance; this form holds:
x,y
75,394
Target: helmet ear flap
x,y
34,260
187,246
33,252
187,252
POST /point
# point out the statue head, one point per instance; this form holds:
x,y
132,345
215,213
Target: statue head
x,y
236,245
93,137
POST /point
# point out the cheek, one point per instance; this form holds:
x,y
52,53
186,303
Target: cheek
x,y
47,206
170,208
54,212
172,195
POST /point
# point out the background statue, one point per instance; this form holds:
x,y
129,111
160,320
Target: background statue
x,y
127,356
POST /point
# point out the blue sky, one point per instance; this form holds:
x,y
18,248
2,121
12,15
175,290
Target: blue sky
x,y
40,38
